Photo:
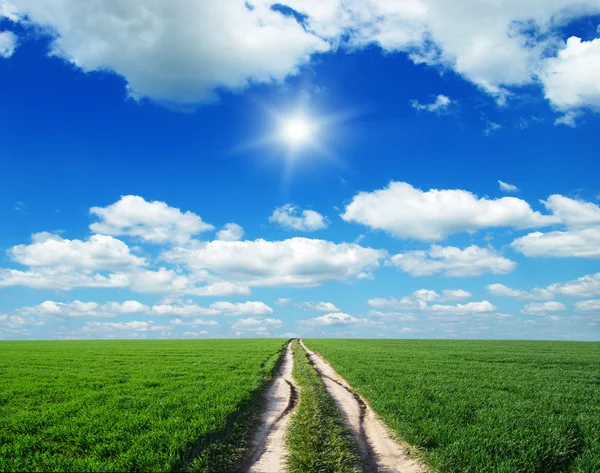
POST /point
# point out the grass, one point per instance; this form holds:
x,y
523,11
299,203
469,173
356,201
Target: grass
x,y
317,440
482,406
177,405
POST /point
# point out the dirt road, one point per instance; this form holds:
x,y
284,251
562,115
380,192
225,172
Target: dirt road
x,y
268,445
380,452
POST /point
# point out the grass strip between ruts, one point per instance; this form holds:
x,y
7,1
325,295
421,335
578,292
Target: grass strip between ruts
x,y
317,439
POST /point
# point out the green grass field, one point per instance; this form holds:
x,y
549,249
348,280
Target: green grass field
x,y
130,405
482,406
317,440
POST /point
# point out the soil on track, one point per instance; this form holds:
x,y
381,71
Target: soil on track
x,y
378,449
268,445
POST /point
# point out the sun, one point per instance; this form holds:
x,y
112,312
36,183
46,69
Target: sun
x,y
297,131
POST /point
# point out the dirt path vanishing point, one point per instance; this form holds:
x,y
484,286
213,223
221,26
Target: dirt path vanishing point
x,y
269,442
380,452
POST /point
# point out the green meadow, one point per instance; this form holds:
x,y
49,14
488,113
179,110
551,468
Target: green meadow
x,y
482,406
173,405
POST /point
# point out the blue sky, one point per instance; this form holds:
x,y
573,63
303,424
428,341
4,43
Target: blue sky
x,y
361,169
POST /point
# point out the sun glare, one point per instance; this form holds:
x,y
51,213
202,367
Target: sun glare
x,y
297,131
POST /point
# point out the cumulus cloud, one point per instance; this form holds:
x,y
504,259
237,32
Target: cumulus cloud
x,y
502,290
292,218
584,287
583,243
256,325
133,326
452,261
407,212
320,306
592,305
581,239
292,262
96,253
183,53
195,323
570,79
462,309
180,53
418,303
504,186
8,43
543,308
12,321
231,232
283,301
442,105
194,334
573,212
217,308
336,318
455,294
78,309
153,222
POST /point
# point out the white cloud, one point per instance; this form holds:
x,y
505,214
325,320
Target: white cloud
x,y
256,325
568,119
181,53
452,261
585,286
407,212
12,321
543,308
462,309
292,218
216,308
8,43
394,316
407,302
572,212
320,306
489,43
194,334
504,186
502,290
491,127
336,318
592,305
583,243
571,78
161,281
97,252
154,222
231,232
416,303
283,301
426,295
581,239
134,326
64,278
292,262
406,330
455,294
78,309
440,106
195,323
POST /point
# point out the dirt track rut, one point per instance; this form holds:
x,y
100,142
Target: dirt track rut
x,y
269,442
380,452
